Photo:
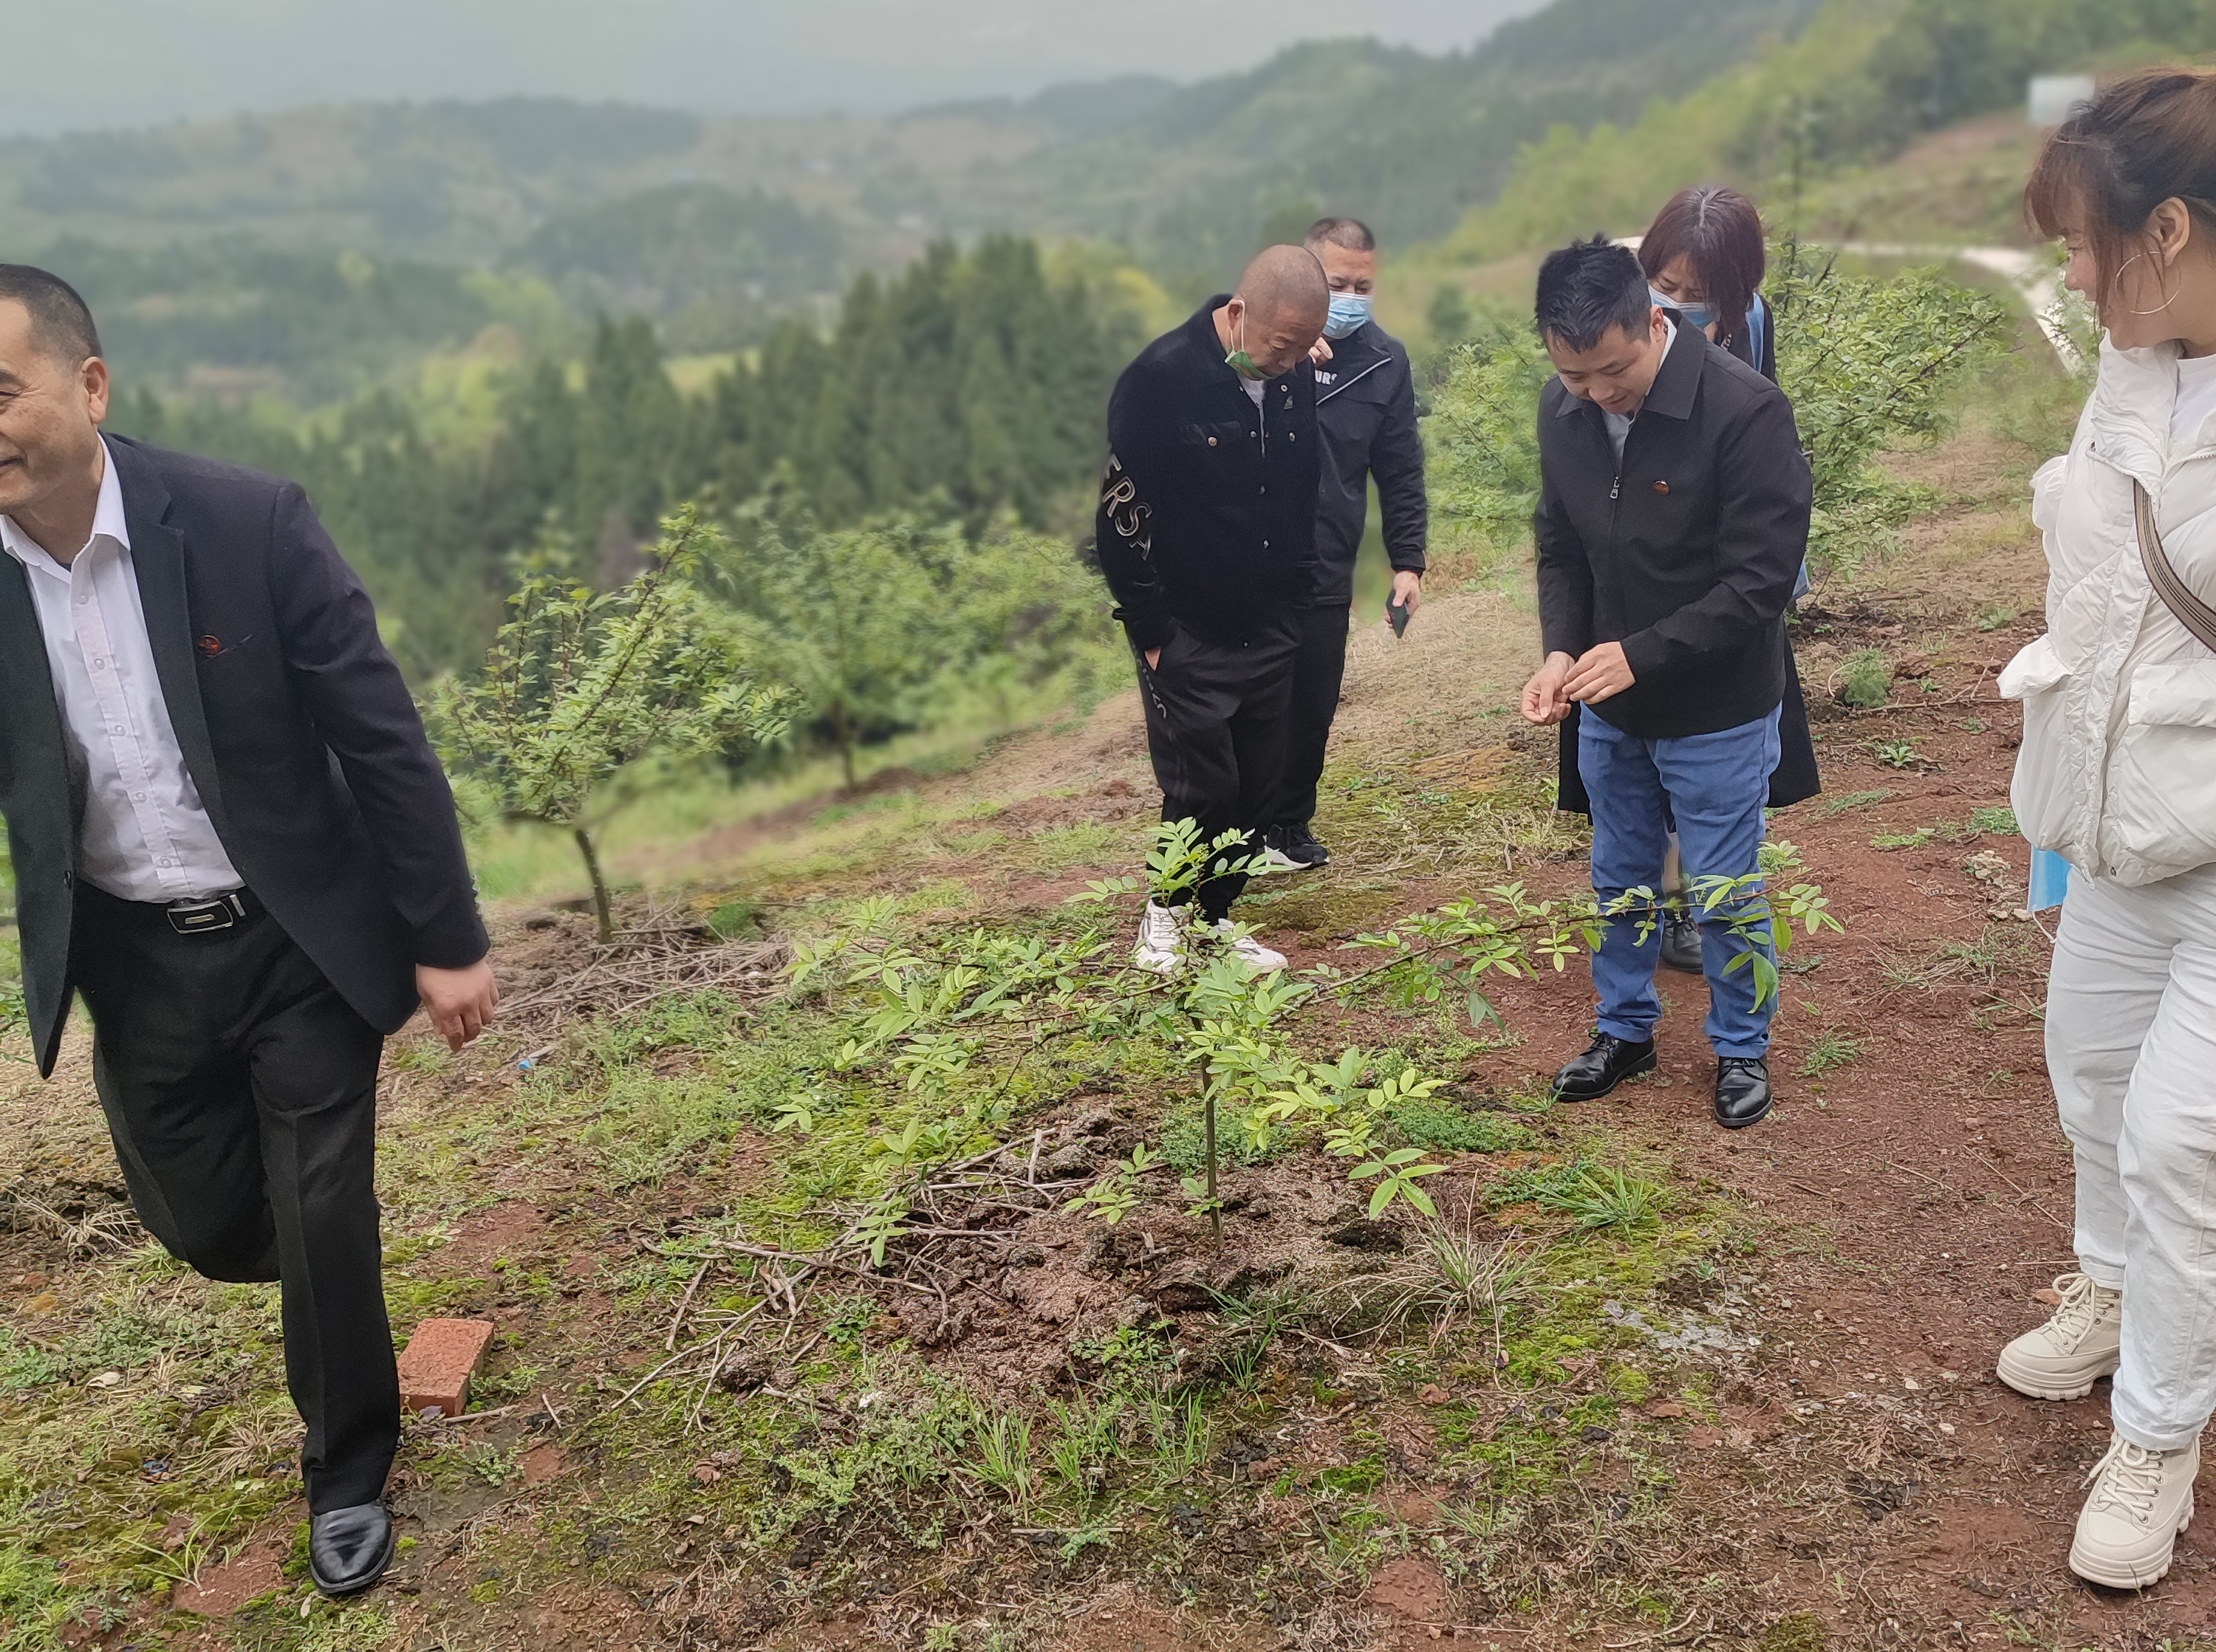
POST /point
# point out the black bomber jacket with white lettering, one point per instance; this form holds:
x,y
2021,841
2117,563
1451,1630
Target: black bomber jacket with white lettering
x,y
1208,505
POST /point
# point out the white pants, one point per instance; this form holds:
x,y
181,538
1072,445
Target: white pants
x,y
2131,1048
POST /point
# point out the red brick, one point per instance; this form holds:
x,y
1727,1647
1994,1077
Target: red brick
x,y
440,1358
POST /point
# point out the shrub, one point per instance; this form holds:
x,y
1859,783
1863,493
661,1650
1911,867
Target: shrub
x,y
1865,677
580,684
1867,364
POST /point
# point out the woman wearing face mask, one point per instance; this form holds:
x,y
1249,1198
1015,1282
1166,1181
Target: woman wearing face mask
x,y
1704,257
2117,774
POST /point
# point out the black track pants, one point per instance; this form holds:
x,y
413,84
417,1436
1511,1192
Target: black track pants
x,y
1217,722
241,1092
1318,671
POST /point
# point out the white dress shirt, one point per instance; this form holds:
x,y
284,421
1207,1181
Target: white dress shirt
x,y
146,836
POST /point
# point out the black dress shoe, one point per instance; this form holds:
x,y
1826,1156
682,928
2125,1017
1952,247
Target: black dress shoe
x,y
1742,1091
1607,1063
348,1549
1681,941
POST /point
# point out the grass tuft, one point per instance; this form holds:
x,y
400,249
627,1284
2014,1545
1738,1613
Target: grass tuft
x,y
1864,678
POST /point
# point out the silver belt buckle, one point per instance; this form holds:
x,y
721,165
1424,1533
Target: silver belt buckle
x,y
200,917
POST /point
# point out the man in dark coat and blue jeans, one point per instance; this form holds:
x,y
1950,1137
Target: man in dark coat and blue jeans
x,y
1366,422
1206,535
1672,520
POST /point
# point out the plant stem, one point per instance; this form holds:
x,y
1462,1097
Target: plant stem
x,y
600,885
1208,1132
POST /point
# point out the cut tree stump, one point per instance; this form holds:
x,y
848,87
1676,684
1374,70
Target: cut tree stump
x,y
440,1358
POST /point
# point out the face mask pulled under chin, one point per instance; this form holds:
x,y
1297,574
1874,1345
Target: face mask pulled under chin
x,y
1349,313
1695,315
1239,361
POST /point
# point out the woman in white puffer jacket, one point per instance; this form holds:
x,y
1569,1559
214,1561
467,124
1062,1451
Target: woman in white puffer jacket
x,y
2117,774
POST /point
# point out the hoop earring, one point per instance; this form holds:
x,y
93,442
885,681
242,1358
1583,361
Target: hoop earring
x,y
2118,281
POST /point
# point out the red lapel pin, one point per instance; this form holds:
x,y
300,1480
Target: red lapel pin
x,y
1661,487
211,645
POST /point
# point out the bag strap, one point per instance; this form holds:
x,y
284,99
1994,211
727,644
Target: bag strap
x,y
2196,616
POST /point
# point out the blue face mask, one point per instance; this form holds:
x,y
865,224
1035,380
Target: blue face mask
x,y
1696,314
1349,313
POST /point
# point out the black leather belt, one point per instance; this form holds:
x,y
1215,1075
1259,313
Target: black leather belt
x,y
220,912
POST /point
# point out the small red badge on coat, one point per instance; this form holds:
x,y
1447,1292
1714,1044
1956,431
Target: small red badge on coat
x,y
211,645
1661,487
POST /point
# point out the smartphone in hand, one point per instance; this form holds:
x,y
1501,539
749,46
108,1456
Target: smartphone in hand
x,y
1398,613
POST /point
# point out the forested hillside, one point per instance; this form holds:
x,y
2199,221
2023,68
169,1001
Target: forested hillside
x,y
535,213
1862,82
474,329
970,385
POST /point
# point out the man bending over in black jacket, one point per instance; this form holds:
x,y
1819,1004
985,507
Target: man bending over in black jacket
x,y
1206,537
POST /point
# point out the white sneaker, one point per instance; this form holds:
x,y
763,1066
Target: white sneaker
x,y
1244,948
1161,940
2141,1500
2074,1349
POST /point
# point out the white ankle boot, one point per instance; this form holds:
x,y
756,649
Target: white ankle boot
x,y
2140,1501
2075,1348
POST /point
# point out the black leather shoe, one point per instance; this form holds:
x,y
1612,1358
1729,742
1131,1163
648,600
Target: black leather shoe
x,y
1681,943
1607,1063
348,1549
1742,1091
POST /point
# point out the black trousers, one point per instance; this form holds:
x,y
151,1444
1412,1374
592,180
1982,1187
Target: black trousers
x,y
1319,670
1216,721
241,1092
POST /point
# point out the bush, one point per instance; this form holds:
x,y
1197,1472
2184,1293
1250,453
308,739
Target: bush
x,y
905,621
1481,438
1867,363
1865,678
579,685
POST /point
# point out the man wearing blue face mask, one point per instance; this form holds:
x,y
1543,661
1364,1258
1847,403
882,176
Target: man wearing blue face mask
x,y
1366,422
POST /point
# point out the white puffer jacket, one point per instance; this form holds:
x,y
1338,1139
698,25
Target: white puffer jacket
x,y
2117,773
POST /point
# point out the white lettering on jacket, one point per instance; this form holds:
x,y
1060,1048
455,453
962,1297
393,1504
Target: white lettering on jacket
x,y
1131,515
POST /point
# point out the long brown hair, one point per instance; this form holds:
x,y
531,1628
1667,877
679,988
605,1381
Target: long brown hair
x,y
1719,231
2147,138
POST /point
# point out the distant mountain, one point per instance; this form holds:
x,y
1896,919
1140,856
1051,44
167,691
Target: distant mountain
x,y
725,222
683,249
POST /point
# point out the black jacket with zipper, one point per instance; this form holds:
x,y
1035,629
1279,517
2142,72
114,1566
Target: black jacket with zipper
x,y
1207,518
1366,420
1685,552
1796,777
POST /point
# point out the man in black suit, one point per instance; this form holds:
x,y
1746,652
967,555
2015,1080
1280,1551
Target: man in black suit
x,y
230,837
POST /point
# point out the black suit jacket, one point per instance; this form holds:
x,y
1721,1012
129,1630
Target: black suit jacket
x,y
295,726
1685,551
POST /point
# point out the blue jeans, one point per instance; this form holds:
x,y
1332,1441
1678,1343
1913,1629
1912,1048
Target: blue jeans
x,y
1715,785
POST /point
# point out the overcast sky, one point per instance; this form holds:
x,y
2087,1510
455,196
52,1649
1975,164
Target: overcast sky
x,y
77,64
